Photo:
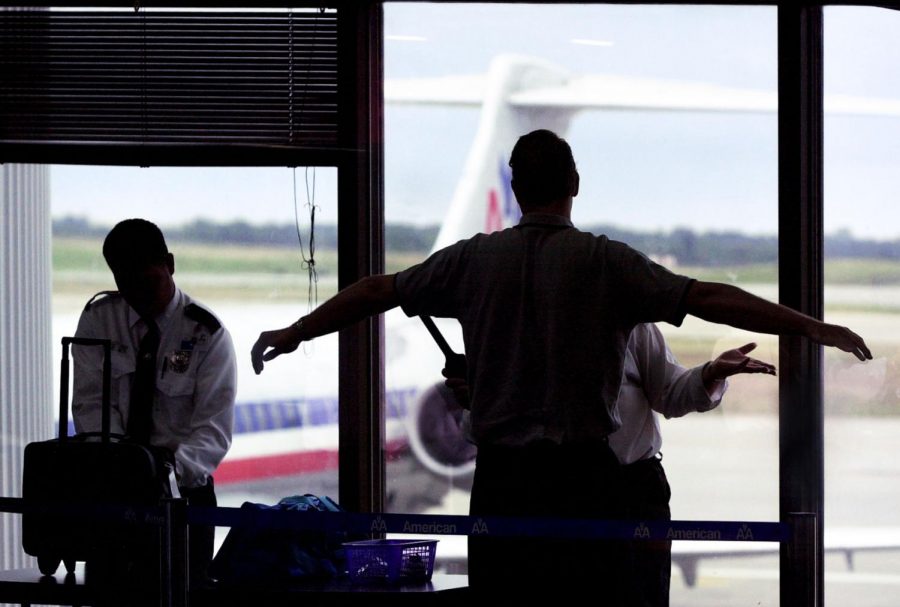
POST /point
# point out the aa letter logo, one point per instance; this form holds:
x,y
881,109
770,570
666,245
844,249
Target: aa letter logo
x,y
745,533
641,532
378,525
479,528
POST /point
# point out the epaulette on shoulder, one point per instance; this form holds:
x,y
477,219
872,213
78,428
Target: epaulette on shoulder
x,y
102,297
202,316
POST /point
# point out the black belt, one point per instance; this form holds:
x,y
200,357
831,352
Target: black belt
x,y
653,461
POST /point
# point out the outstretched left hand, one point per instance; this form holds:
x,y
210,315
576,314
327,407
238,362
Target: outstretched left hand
x,y
732,362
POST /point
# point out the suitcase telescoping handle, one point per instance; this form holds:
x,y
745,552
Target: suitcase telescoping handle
x,y
64,384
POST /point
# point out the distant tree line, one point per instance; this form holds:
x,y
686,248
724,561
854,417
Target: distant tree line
x,y
686,246
399,237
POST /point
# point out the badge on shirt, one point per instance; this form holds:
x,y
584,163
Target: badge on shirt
x,y
180,361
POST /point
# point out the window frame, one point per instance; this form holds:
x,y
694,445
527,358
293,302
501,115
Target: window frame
x,y
360,164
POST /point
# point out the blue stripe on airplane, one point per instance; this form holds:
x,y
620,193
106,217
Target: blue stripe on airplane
x,y
265,416
511,211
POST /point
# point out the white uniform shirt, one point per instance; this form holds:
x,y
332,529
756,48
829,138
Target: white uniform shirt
x,y
196,381
654,383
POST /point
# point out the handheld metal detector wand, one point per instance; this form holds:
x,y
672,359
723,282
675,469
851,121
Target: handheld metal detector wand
x,y
455,364
438,337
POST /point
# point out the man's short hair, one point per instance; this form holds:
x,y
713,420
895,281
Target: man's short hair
x,y
543,168
134,243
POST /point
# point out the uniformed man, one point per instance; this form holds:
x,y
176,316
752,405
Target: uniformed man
x,y
173,369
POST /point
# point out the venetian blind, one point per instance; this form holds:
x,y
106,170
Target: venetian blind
x,y
172,78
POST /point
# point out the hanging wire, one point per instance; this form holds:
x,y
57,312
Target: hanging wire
x,y
309,64
143,17
296,124
308,261
291,76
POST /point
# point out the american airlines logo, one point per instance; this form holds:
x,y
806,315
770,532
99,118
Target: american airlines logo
x,y
378,525
479,528
694,534
505,212
745,533
431,527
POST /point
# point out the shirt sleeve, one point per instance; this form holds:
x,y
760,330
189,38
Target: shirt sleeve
x,y
671,389
431,287
650,292
87,381
212,418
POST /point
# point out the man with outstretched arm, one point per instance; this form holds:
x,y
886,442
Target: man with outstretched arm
x,y
546,311
714,302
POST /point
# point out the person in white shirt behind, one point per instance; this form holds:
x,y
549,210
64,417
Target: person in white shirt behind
x,y
654,383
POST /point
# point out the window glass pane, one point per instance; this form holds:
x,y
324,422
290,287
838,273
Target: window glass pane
x,y
695,188
862,240
243,246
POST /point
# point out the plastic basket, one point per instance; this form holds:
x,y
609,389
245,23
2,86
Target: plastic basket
x,y
390,560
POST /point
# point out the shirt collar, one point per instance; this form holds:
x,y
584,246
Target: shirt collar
x,y
547,219
162,319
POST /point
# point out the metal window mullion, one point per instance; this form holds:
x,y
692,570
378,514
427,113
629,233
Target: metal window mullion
x,y
801,285
361,253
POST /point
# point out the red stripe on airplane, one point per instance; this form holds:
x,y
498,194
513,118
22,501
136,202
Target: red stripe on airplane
x,y
285,464
268,466
494,221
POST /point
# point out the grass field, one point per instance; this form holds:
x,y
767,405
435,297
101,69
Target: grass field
x,y
83,255
231,272
279,274
861,293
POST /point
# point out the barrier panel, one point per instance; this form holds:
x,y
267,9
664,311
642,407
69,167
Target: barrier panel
x,y
650,530
421,524
174,518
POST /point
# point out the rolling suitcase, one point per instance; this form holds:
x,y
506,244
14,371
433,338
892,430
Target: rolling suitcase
x,y
89,481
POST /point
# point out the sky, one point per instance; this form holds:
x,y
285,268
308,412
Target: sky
x,y
649,171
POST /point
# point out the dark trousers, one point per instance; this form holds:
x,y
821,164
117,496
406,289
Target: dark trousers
x,y
201,538
547,480
646,494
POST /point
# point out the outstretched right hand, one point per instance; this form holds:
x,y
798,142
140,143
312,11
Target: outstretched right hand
x,y
841,338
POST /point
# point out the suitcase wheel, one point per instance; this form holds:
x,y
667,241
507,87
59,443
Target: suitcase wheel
x,y
70,565
48,564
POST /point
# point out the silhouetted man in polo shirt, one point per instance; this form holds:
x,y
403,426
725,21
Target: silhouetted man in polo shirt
x,y
546,312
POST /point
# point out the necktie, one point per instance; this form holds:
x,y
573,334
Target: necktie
x,y
140,415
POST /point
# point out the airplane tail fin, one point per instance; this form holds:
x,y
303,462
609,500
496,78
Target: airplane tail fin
x,y
483,200
521,94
